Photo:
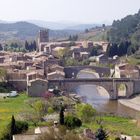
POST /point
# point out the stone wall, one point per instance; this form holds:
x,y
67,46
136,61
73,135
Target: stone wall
x,y
37,88
19,85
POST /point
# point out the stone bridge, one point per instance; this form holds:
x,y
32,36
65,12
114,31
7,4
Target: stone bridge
x,y
110,84
72,71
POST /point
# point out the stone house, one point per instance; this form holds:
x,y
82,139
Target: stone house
x,y
25,64
90,44
56,68
42,46
84,55
37,87
18,57
126,70
76,55
49,63
37,132
25,137
56,75
47,49
2,58
56,50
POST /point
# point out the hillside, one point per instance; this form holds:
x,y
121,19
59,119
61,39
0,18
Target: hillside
x,y
127,28
18,30
28,31
95,34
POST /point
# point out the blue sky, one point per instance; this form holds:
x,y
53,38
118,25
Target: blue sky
x,y
79,11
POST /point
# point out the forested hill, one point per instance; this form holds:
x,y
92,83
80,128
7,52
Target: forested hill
x,y
127,28
18,30
124,36
27,31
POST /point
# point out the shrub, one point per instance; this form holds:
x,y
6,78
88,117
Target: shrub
x,y
85,112
14,127
50,110
21,127
72,121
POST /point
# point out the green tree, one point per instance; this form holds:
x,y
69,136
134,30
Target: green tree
x,y
1,48
34,45
3,74
85,112
72,121
63,53
26,45
14,127
40,108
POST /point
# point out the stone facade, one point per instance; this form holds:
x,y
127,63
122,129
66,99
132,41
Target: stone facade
x,y
43,36
37,88
127,71
43,39
56,75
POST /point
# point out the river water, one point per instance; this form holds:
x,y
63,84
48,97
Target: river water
x,y
102,102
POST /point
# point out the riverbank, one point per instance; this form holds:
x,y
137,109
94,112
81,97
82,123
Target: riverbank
x,y
131,103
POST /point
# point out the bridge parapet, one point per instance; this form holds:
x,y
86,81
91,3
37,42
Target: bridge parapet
x,y
110,84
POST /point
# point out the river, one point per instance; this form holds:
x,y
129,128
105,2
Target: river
x,y
101,102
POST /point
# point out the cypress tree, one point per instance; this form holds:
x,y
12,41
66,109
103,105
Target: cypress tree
x,y
12,127
61,115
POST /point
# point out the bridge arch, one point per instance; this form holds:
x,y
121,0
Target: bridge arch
x,y
110,84
92,91
87,71
122,89
128,89
72,71
72,85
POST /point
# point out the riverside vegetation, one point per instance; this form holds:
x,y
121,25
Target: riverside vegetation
x,y
115,125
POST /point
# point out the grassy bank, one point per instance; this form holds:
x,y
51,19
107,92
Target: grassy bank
x,y
115,125
12,106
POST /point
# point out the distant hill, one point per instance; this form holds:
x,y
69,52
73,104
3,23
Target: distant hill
x,y
28,31
82,27
18,30
51,25
63,25
2,21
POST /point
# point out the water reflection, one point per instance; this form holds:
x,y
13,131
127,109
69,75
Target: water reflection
x,y
102,103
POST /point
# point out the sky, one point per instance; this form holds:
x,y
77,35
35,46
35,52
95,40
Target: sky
x,y
78,11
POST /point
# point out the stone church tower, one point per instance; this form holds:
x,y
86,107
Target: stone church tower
x,y
43,39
